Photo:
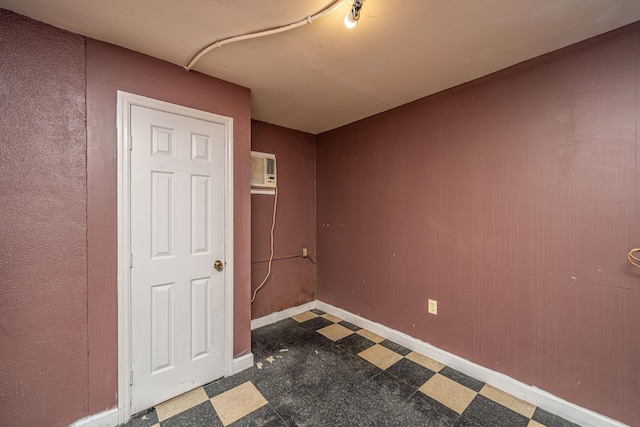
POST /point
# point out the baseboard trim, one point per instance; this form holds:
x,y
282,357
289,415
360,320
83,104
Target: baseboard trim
x,y
108,418
281,315
241,363
547,401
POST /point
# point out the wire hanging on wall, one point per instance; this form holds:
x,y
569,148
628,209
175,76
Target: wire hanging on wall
x,y
632,258
273,226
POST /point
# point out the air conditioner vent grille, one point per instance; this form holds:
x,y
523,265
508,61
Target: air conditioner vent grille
x,y
271,166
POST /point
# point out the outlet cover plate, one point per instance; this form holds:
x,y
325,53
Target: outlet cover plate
x,y
433,307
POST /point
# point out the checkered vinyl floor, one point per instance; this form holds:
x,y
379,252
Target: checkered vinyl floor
x,y
316,370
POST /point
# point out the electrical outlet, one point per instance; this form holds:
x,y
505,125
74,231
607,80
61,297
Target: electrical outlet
x,y
305,252
433,307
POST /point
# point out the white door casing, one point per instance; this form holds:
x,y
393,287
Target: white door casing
x,y
175,220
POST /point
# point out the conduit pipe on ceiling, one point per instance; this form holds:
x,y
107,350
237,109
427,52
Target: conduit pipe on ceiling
x,y
308,20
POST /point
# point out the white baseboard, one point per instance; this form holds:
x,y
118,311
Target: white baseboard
x,y
108,418
241,363
528,393
281,315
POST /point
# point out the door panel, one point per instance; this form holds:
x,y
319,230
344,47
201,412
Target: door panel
x,y
177,232
162,214
200,218
161,327
200,294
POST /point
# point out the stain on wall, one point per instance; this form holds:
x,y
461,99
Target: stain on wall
x,y
512,201
43,262
293,279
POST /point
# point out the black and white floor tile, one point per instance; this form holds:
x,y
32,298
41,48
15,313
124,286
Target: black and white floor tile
x,y
316,370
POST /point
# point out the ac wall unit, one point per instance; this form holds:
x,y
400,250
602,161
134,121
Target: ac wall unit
x,y
263,172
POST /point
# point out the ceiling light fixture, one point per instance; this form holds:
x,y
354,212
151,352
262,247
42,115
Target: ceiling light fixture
x,y
308,20
351,20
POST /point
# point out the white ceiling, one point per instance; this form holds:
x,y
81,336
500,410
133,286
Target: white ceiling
x,y
323,75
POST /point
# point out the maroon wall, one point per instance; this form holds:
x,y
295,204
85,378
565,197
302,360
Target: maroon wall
x,y
58,293
293,280
43,262
110,68
512,201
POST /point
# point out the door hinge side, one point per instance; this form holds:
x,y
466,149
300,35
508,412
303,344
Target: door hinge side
x,y
131,260
130,142
131,377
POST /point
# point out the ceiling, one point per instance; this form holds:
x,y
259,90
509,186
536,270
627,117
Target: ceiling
x,y
323,75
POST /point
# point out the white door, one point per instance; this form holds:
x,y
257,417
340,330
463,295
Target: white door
x,y
177,234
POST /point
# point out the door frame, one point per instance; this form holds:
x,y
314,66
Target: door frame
x,y
124,103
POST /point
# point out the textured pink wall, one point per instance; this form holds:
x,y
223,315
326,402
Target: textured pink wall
x,y
58,293
111,68
43,263
513,201
292,281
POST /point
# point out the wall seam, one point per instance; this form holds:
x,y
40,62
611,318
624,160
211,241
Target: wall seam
x,y
315,213
86,219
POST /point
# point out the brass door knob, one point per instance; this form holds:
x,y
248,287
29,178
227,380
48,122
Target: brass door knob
x,y
217,265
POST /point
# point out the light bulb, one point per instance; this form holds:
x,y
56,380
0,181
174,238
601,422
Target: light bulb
x,y
350,21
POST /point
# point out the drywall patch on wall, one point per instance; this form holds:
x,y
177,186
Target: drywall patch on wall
x,y
43,280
